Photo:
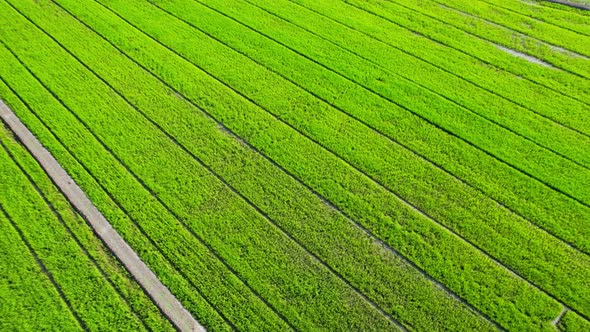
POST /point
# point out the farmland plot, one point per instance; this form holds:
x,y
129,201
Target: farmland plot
x,y
318,165
55,272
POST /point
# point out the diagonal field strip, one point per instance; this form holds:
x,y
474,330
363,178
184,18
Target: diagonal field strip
x,y
161,296
571,4
44,270
487,31
551,15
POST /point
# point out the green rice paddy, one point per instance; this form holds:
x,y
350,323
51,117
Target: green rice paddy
x,y
356,165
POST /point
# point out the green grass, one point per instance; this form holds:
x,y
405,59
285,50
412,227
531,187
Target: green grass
x,y
249,161
557,36
505,145
55,271
431,22
356,102
451,73
559,18
571,322
363,153
21,276
256,245
500,35
133,232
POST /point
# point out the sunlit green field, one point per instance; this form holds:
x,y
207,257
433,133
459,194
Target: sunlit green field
x,y
357,165
55,274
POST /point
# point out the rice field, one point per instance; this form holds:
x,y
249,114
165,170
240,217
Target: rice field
x,y
356,165
55,272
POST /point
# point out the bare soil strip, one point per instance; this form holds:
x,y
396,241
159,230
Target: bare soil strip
x,y
161,296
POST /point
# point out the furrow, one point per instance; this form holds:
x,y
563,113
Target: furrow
x,y
81,323
145,187
71,234
372,126
359,305
111,197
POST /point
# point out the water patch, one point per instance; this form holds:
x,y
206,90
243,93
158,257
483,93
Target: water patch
x,y
525,56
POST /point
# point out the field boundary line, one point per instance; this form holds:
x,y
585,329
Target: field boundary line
x,y
405,202
423,87
496,261
378,131
60,218
419,58
566,3
110,195
161,296
319,196
43,268
474,35
262,214
561,8
441,128
570,4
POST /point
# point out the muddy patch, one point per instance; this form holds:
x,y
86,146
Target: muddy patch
x,y
524,56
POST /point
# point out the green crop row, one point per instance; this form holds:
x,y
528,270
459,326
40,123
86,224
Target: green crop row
x,y
282,56
572,322
25,290
502,143
538,203
336,136
542,31
500,35
347,245
191,257
71,133
117,67
90,296
420,182
304,290
568,9
549,15
377,156
500,96
168,65
429,22
139,302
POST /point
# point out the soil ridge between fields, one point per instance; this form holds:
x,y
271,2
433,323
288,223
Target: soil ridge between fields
x,y
162,297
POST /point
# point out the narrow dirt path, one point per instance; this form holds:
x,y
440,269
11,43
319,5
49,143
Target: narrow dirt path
x,y
161,296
